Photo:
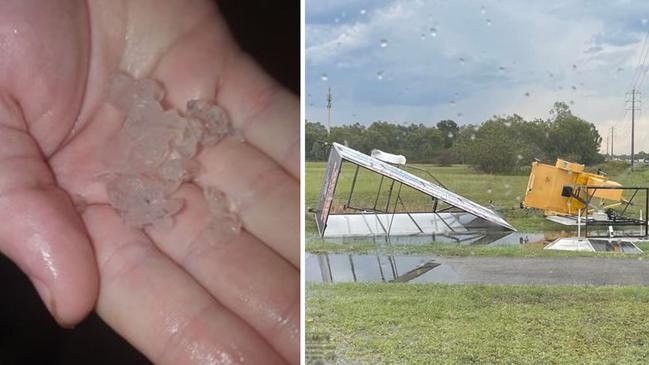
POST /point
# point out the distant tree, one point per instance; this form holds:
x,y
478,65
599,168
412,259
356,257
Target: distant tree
x,y
573,138
496,148
449,130
315,138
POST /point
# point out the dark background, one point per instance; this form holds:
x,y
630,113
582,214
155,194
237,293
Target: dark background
x,y
270,31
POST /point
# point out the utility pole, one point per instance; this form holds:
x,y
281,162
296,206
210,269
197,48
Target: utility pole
x,y
612,139
635,99
608,156
328,110
632,127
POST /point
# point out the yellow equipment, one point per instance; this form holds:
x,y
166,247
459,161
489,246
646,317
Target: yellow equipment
x,y
558,189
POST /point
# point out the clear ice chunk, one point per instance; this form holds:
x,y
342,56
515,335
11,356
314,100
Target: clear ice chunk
x,y
213,118
225,219
153,154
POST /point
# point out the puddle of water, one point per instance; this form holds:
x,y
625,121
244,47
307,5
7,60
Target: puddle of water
x,y
349,268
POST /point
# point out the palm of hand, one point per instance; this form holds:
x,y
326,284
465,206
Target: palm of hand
x,y
178,296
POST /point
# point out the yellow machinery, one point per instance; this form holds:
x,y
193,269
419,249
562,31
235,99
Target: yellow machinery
x,y
559,189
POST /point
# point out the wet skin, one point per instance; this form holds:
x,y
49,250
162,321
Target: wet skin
x,y
179,297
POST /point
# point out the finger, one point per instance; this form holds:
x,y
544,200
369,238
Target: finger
x,y
41,231
239,271
160,309
267,197
267,113
206,63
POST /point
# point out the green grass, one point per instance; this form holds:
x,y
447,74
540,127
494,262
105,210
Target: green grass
x,y
505,191
439,324
442,249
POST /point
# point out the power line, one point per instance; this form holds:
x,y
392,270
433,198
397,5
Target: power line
x,y
641,62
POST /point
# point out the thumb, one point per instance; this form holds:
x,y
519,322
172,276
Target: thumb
x,y
41,231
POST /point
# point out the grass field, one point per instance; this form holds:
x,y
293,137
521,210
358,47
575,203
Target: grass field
x,y
438,324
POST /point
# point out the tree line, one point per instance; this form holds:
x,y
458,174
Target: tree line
x,y
499,145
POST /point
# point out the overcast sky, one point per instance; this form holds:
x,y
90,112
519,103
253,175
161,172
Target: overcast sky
x,y
424,61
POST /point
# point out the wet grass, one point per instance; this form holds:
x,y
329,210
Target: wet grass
x,y
444,249
469,324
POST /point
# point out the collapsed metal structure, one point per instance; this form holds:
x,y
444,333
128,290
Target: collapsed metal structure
x,y
448,213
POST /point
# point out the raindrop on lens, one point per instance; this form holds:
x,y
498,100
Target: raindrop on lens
x,y
324,77
501,69
488,191
483,10
519,157
363,11
450,135
379,75
433,32
644,21
462,61
488,22
473,137
574,88
384,43
527,94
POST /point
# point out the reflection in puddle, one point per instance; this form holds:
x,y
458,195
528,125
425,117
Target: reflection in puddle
x,y
340,268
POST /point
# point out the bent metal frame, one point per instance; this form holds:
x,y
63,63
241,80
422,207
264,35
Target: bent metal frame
x,y
462,216
585,194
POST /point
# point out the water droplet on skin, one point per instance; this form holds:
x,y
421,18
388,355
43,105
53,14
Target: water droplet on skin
x,y
379,75
433,32
488,22
324,77
384,43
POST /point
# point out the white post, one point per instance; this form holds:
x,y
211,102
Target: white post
x,y
579,223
